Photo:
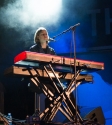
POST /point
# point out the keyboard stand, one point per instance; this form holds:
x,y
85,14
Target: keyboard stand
x,y
56,101
59,101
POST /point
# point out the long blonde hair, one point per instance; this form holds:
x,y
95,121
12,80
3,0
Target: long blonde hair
x,y
38,31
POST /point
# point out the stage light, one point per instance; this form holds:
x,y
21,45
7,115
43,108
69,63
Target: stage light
x,y
43,7
38,12
23,13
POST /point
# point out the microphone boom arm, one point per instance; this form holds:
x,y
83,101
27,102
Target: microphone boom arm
x,y
72,27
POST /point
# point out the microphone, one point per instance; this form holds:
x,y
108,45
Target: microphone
x,y
51,39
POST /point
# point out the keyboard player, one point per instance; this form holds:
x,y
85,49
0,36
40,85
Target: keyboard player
x,y
41,39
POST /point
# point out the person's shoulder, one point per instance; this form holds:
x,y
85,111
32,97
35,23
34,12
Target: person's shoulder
x,y
52,50
33,46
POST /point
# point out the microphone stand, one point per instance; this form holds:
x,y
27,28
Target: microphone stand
x,y
66,30
74,41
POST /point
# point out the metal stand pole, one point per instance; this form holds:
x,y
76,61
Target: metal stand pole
x,y
73,35
37,102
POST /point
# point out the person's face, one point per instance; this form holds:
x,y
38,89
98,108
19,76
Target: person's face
x,y
43,36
